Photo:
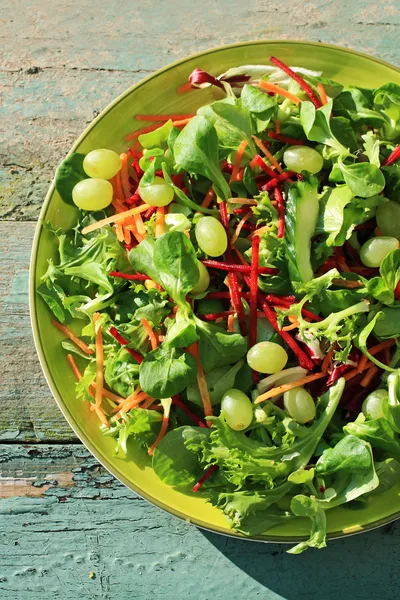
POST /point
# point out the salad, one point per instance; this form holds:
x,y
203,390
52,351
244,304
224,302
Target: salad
x,y
234,279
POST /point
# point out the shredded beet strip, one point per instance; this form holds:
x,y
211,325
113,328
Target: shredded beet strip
x,y
303,84
204,478
285,140
176,399
274,182
225,295
217,315
215,264
281,212
304,360
392,158
242,211
232,276
397,291
279,299
261,163
126,276
255,251
116,335
198,77
149,213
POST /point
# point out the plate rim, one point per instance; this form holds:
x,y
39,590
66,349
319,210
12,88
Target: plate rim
x,y
68,415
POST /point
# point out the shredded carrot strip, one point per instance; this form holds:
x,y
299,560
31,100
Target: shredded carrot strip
x,y
290,327
368,377
327,362
160,221
135,134
139,224
74,367
74,338
288,386
239,226
354,372
163,430
241,257
119,207
202,382
152,335
115,218
163,118
347,283
181,123
119,232
277,126
379,347
268,154
386,355
208,198
230,325
362,363
99,360
259,231
109,395
276,89
118,187
148,402
127,236
238,160
322,93
126,186
242,201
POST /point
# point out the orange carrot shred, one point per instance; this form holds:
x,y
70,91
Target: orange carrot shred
x,y
181,122
160,221
259,231
327,362
164,427
322,93
127,236
139,224
118,187
74,338
202,382
268,154
126,186
135,134
238,160
186,87
152,335
115,218
288,386
99,360
347,283
119,232
386,355
277,126
369,375
290,327
242,201
240,225
74,367
230,325
208,198
78,376
148,402
276,89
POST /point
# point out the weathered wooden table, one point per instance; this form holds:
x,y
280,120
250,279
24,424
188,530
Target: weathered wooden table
x,y
68,530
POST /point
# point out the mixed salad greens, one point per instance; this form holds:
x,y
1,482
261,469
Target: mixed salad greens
x,y
234,277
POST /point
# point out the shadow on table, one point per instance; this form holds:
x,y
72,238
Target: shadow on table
x,y
348,569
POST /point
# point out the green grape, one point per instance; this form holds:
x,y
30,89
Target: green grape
x,y
211,236
303,158
158,193
372,405
299,404
204,280
92,194
237,409
267,357
376,249
102,163
388,218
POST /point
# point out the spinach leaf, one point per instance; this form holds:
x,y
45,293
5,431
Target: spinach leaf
x,y
142,259
356,104
316,124
173,462
181,332
390,269
157,138
183,198
219,381
304,506
196,151
218,347
350,454
255,100
392,408
377,432
388,324
334,202
232,123
364,180
388,472
176,263
121,371
167,371
372,146
343,131
68,174
363,337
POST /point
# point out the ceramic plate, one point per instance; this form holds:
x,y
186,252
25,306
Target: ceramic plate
x,y
157,94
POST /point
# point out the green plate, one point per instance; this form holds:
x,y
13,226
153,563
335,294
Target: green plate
x,y
157,95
